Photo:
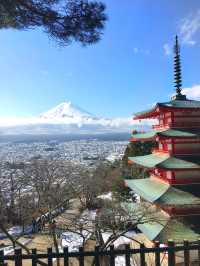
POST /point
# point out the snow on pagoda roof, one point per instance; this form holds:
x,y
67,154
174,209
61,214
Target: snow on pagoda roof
x,y
165,161
179,104
158,192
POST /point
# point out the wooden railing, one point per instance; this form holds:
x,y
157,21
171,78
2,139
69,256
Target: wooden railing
x,y
177,125
128,254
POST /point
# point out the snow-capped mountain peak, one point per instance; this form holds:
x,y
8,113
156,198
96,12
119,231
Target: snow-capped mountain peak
x,y
66,118
66,110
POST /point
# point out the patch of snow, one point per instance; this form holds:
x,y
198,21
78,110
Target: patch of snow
x,y
88,215
72,240
122,240
120,261
107,196
18,230
9,249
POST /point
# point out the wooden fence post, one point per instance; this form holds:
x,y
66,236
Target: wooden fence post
x,y
50,257
81,256
186,253
157,253
34,259
96,256
127,255
198,252
112,256
142,255
1,258
171,253
66,256
18,257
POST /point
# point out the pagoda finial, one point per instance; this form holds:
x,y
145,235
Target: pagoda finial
x,y
177,67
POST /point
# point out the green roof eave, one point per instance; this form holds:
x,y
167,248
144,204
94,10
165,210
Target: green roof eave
x,y
179,133
181,162
165,161
149,161
154,228
147,111
183,104
151,230
147,188
185,133
145,135
178,197
173,229
154,191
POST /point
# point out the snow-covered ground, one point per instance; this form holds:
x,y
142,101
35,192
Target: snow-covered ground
x,y
17,231
122,240
9,249
73,240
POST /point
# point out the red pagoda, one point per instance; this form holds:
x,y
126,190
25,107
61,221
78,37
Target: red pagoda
x,y
174,166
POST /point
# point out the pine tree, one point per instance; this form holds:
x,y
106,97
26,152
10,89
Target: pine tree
x,y
63,20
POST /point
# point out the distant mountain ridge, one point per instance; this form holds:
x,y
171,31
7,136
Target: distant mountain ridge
x,y
67,118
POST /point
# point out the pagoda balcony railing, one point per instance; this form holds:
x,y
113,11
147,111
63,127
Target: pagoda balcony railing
x,y
160,126
157,150
176,152
177,125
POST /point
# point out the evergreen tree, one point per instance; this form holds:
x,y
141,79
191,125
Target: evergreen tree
x,y
138,148
63,20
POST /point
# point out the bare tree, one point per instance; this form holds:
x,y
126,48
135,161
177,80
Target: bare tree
x,y
12,185
112,219
86,186
49,182
118,219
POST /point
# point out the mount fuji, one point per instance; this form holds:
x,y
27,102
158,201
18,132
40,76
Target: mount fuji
x,y
66,110
67,118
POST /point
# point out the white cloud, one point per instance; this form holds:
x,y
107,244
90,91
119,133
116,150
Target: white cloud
x,y
167,49
189,26
193,93
115,122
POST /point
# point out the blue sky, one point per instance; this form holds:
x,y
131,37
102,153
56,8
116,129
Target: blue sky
x,y
128,70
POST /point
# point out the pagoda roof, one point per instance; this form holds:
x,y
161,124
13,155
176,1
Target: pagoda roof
x,y
158,192
162,227
173,133
175,104
176,228
165,161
